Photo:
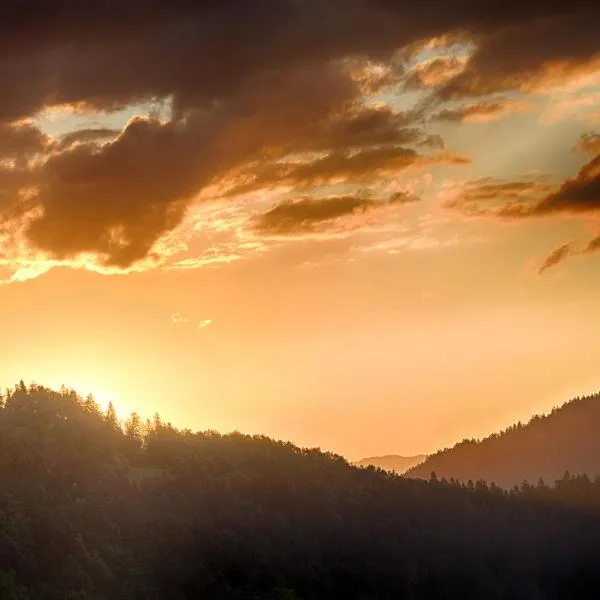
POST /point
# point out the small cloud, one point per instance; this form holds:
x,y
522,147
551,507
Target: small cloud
x,y
178,319
205,323
483,112
557,256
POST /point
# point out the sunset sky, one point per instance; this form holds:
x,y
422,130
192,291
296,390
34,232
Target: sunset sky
x,y
364,225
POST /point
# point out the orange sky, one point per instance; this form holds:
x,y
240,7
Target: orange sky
x,y
326,266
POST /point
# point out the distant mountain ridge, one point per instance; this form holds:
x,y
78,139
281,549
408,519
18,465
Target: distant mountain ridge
x,y
567,439
392,462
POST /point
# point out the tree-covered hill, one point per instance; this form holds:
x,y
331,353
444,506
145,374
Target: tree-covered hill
x,y
567,439
94,509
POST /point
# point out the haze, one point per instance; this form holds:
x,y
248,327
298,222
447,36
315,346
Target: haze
x,y
372,230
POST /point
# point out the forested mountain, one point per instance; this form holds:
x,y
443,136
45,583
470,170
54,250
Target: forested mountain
x,y
392,462
567,439
92,509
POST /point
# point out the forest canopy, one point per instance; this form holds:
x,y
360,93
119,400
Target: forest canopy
x,y
93,508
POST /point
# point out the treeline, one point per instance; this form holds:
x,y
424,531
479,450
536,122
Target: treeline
x,y
567,439
94,509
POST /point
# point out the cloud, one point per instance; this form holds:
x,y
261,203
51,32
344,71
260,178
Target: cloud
x,y
86,136
567,106
589,143
435,72
565,251
118,199
580,194
523,199
533,55
557,256
272,91
361,128
303,214
491,197
178,319
60,52
205,323
482,112
21,141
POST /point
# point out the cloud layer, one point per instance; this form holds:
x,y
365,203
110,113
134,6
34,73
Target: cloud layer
x,y
261,94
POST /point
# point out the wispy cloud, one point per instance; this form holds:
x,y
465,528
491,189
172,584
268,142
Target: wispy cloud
x,y
557,256
178,319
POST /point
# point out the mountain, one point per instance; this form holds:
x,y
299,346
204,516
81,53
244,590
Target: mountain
x,y
93,508
392,462
567,439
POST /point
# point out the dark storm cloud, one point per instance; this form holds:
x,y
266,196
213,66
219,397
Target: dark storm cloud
x,y
365,128
19,145
21,141
109,53
521,56
249,81
118,199
14,180
303,214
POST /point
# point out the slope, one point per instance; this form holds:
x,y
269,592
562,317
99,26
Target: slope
x,y
567,439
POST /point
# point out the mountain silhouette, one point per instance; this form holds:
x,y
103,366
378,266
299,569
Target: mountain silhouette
x,y
392,462
567,439
93,507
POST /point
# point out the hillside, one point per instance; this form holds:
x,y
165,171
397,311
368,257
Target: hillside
x,y
392,462
567,439
92,508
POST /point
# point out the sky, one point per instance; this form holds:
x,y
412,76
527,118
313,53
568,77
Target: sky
x,y
368,226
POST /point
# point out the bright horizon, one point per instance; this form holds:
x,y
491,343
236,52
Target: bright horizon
x,y
383,248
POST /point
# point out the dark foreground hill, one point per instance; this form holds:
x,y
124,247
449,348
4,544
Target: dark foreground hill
x,y
392,462
91,511
567,439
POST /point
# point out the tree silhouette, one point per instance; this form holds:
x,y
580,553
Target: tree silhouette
x,y
90,510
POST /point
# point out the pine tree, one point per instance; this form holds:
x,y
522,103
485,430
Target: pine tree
x,y
111,417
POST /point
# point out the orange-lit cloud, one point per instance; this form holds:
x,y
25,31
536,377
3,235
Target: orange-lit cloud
x,y
303,214
483,112
493,197
536,55
291,97
569,106
435,72
557,256
589,142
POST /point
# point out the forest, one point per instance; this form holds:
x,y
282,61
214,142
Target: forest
x,y
566,439
95,508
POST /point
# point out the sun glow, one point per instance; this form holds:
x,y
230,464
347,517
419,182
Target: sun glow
x,y
102,395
